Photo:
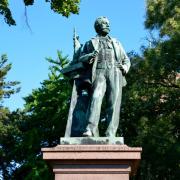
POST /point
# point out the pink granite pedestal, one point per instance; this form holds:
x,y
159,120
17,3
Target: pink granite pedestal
x,y
93,162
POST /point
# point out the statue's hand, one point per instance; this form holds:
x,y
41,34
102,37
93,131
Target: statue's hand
x,y
92,56
120,66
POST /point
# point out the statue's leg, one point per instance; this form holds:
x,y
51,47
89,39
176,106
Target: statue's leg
x,y
71,110
114,93
99,88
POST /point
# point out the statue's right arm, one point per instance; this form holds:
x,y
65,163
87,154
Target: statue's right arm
x,y
87,53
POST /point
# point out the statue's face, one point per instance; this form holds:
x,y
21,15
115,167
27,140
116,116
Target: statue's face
x,y
103,26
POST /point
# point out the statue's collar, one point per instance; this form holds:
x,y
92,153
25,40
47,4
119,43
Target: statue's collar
x,y
107,36
95,40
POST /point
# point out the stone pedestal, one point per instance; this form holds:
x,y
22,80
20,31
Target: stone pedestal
x,y
93,162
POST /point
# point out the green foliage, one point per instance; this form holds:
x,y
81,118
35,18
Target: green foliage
x,y
163,15
40,124
150,116
44,122
63,7
6,87
28,2
150,108
47,105
5,11
9,132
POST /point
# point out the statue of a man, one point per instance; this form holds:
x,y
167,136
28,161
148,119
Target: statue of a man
x,y
109,64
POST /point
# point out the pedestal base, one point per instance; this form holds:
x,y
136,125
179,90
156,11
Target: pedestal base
x,y
92,162
91,140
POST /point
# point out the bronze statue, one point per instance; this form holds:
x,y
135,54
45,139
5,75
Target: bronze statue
x,y
104,66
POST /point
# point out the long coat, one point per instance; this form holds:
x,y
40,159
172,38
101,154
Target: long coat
x,y
89,47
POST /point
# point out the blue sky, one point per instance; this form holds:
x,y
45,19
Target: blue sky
x,y
51,32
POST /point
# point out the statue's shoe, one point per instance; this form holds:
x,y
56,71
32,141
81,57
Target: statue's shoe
x,y
87,133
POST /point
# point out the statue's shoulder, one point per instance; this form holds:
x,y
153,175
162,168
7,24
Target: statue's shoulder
x,y
92,41
89,42
94,37
115,40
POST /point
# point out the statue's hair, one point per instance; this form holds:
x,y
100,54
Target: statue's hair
x,y
98,22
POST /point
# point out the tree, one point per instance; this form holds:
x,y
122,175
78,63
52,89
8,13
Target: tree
x,y
150,109
163,15
6,87
150,118
44,122
64,7
8,131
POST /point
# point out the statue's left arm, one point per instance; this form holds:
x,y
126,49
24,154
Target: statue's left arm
x,y
124,59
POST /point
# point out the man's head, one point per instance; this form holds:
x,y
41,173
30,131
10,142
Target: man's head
x,y
101,26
